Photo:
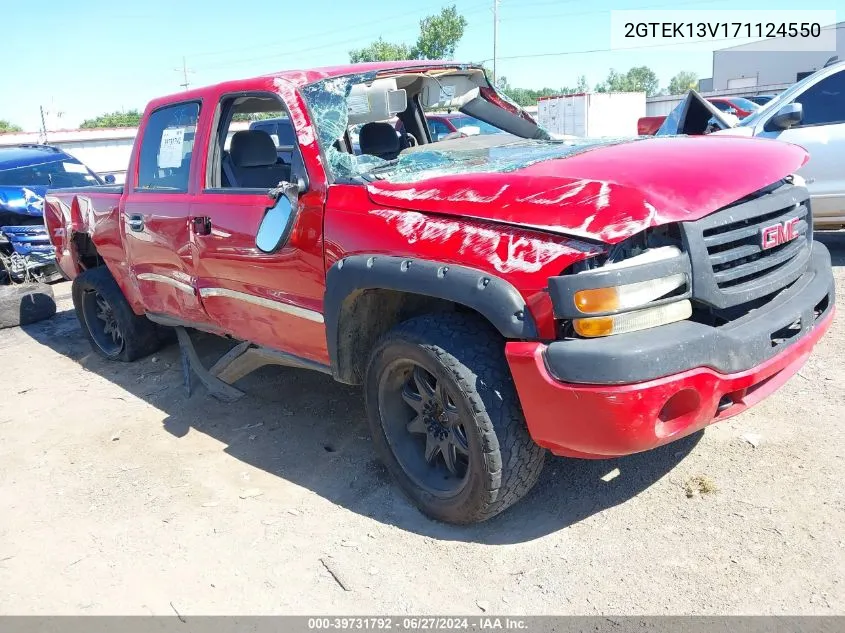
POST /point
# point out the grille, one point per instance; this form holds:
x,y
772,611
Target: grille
x,y
736,253
731,266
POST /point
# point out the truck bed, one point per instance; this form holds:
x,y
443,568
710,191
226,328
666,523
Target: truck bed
x,y
78,210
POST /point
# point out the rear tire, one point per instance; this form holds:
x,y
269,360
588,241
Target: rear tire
x,y
22,304
445,418
113,329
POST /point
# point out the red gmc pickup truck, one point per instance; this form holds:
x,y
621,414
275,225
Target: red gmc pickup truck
x,y
495,296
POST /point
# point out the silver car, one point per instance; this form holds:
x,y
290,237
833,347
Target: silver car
x,y
811,114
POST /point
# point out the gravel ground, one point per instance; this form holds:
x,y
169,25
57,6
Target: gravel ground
x,y
121,495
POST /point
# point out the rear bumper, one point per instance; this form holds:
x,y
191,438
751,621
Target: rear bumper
x,y
597,421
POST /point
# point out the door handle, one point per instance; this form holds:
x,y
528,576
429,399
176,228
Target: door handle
x,y
136,222
201,225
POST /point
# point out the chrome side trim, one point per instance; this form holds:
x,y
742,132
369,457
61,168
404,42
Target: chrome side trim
x,y
170,281
280,306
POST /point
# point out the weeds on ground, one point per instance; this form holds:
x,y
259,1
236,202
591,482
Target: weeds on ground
x,y
699,485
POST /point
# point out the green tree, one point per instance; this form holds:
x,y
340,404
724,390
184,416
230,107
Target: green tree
x,y
643,78
130,118
380,51
682,82
582,85
638,79
5,126
257,116
529,96
438,37
440,34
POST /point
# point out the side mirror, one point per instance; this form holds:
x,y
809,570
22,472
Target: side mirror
x,y
788,115
109,179
277,223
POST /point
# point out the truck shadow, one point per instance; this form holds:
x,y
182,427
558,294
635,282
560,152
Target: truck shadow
x,y
311,431
835,242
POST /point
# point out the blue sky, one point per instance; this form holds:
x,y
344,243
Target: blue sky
x,y
87,57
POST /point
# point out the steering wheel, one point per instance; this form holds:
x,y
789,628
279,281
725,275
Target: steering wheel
x,y
410,139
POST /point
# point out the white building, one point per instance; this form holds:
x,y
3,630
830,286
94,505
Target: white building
x,y
592,114
769,63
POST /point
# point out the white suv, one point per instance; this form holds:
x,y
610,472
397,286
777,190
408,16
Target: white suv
x,y
811,114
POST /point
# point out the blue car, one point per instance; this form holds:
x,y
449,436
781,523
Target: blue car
x,y
26,172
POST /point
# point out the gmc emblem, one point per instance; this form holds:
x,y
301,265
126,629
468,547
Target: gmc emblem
x,y
779,233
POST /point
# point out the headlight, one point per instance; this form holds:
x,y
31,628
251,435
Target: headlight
x,y
627,296
633,321
644,291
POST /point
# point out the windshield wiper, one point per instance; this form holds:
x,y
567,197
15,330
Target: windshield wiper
x,y
379,169
391,163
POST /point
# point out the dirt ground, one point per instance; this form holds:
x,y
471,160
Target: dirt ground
x,y
120,495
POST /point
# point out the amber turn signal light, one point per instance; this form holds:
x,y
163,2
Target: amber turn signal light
x,y
595,300
597,326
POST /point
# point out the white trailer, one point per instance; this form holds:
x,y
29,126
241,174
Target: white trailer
x,y
592,114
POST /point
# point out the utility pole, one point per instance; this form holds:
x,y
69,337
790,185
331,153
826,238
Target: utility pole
x,y
184,70
495,36
43,125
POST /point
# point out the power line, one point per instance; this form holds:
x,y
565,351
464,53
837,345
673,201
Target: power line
x,y
356,40
345,29
525,5
599,11
472,9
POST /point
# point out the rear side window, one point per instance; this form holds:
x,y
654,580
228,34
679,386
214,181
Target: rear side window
x,y
281,132
167,148
824,102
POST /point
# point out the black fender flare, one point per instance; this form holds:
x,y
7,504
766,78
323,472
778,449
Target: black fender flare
x,y
492,297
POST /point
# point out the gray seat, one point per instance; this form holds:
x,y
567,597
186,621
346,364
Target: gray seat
x,y
252,161
379,139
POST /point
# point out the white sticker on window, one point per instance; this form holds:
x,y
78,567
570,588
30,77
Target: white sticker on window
x,y
170,152
275,138
358,104
74,168
447,93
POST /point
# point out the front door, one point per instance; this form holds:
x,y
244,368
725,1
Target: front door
x,y
155,215
274,300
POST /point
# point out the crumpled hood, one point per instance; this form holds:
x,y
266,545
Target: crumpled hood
x,y
23,200
605,192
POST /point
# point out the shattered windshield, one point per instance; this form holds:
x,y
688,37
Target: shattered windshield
x,y
334,113
474,156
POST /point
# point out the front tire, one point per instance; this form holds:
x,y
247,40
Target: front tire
x,y
113,329
445,418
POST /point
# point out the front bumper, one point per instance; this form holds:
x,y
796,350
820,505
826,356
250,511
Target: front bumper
x,y
672,386
737,346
